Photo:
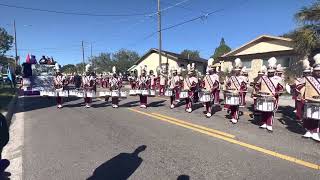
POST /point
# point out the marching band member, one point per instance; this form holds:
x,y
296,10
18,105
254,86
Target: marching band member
x,y
162,81
115,84
174,85
217,92
133,80
153,80
60,82
312,94
181,79
190,84
235,84
211,83
245,80
88,83
299,89
261,72
144,84
270,85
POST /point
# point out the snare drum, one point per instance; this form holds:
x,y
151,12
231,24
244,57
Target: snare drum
x,y
265,103
152,93
138,91
44,93
205,96
232,99
73,93
80,94
312,110
132,92
101,94
183,94
51,93
168,93
115,93
144,92
63,94
123,94
90,94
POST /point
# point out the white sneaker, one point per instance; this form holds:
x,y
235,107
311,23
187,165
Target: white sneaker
x,y
143,106
307,135
116,106
172,106
269,128
234,121
315,136
189,110
59,106
178,100
264,126
208,114
295,111
87,106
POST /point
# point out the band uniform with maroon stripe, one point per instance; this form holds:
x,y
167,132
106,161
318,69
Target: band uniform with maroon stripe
x,y
190,84
174,85
89,85
144,84
163,79
244,86
312,95
60,82
235,85
272,86
115,85
211,84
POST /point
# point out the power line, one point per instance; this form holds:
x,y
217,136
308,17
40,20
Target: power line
x,y
74,13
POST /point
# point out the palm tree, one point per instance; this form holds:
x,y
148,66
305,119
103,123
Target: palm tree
x,y
307,37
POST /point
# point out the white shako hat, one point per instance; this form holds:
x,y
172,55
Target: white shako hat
x,y
306,66
143,69
114,70
316,66
191,68
88,66
279,68
57,67
210,64
237,64
272,64
244,70
263,70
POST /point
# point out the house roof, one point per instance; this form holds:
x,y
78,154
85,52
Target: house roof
x,y
256,40
171,54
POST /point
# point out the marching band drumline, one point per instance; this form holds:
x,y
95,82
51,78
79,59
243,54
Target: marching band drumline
x,y
267,88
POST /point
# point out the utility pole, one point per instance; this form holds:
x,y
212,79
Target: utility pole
x,y
15,41
84,69
159,33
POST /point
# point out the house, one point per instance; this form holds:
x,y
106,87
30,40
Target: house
x,y
256,53
168,59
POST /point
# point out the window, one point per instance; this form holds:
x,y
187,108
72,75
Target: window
x,y
284,61
246,63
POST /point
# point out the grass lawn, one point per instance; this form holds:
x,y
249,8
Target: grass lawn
x,y
6,94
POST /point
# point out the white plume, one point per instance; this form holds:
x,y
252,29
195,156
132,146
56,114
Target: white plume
x,y
279,67
237,62
57,67
210,62
179,70
306,64
229,68
263,68
88,66
193,65
317,58
188,67
244,69
272,62
114,69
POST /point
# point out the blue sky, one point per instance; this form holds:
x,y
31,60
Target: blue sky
x,y
60,35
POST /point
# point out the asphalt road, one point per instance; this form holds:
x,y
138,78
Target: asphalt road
x,y
76,143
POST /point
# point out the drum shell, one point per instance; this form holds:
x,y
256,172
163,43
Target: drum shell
x,y
90,94
115,93
232,99
123,94
168,93
132,92
152,93
63,93
265,104
205,96
138,91
145,92
184,94
312,110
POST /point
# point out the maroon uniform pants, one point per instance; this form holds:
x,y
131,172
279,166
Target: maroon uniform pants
x,y
59,100
143,100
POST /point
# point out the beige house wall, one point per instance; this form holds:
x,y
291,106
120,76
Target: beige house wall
x,y
268,46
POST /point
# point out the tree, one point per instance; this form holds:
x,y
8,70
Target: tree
x,y
221,49
307,37
102,63
190,54
69,68
6,41
124,59
80,67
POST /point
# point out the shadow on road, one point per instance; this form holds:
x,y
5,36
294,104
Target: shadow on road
x,y
157,103
130,104
120,167
289,119
183,177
